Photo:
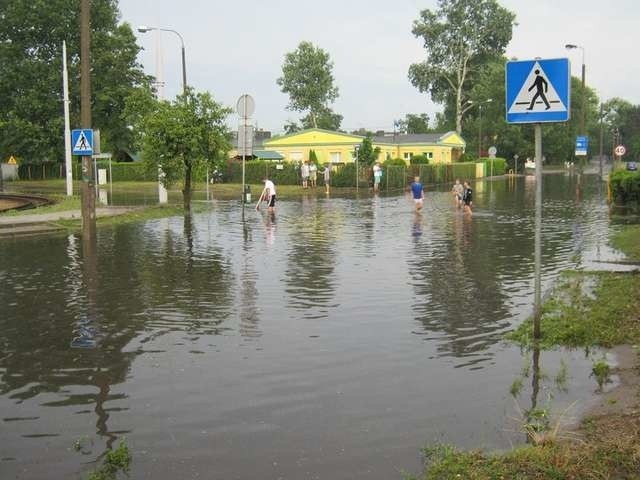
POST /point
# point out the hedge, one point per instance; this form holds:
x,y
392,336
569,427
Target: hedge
x,y
625,186
499,166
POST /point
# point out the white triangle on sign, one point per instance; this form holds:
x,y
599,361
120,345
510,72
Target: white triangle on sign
x,y
82,144
535,87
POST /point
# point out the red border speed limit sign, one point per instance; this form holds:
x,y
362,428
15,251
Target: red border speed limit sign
x,y
620,150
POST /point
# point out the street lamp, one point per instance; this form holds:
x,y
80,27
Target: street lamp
x,y
471,102
570,46
145,29
356,150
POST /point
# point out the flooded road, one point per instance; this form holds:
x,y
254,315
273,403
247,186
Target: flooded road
x,y
332,340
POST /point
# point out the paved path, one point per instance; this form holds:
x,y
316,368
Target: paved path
x,y
38,223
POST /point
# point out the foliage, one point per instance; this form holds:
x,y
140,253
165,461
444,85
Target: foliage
x,y
185,134
291,127
467,157
313,158
499,166
394,162
307,77
414,123
574,319
622,120
345,176
31,36
625,186
367,155
256,170
419,160
325,118
602,372
118,460
627,241
456,48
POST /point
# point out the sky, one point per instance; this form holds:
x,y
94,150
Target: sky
x,y
238,47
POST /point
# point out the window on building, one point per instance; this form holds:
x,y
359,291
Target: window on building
x,y
408,155
335,157
429,155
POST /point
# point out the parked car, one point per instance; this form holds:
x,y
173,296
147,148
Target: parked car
x,y
632,166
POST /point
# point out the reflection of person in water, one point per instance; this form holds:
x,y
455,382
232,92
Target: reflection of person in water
x,y
541,86
416,230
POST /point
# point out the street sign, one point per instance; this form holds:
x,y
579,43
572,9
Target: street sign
x,y
582,146
538,91
620,150
12,160
492,152
245,106
82,141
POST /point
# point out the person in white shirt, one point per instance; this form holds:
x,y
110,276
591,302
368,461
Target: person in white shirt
x,y
304,172
377,176
313,174
268,195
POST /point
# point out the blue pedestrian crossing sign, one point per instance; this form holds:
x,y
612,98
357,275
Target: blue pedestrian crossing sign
x,y
82,142
538,91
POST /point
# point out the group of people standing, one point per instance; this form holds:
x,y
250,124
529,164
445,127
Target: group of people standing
x,y
309,174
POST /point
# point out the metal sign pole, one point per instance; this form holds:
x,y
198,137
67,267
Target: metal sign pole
x,y
537,312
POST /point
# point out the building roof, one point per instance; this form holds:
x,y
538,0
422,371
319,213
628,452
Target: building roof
x,y
411,138
267,155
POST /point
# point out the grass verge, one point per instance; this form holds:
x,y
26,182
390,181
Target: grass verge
x,y
585,310
62,203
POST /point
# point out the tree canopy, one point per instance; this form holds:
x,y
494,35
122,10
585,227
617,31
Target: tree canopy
x,y
185,134
458,36
31,110
414,123
307,77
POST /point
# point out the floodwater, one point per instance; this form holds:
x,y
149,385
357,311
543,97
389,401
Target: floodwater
x,y
331,340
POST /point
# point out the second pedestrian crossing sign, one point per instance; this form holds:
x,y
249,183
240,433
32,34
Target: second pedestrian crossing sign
x,y
538,91
82,142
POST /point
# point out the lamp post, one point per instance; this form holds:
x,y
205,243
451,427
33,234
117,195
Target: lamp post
x,y
145,29
162,191
356,150
472,102
570,46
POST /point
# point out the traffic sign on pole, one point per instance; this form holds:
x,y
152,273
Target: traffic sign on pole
x,y
620,150
82,142
538,91
582,146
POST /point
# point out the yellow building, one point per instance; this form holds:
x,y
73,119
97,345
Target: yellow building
x,y
337,147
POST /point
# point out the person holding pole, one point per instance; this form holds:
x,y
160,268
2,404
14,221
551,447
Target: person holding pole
x,y
268,195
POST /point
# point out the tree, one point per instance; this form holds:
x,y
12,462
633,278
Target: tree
x,y
458,37
367,155
291,127
308,80
182,135
31,35
414,123
326,119
622,122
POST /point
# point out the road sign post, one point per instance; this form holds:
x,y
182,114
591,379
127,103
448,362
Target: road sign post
x,y
245,108
538,91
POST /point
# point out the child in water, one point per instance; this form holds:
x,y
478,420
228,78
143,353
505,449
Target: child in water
x,y
467,197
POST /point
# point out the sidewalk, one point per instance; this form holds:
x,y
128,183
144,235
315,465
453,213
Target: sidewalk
x,y
37,223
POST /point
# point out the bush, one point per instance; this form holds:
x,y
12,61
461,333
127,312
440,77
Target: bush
x,y
467,157
345,176
419,160
394,162
625,186
256,170
499,166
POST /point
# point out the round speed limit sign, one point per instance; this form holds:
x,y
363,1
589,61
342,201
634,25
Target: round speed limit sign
x,y
620,150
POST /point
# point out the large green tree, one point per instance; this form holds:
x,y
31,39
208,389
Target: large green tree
x,y
185,134
31,110
458,36
414,123
307,77
622,125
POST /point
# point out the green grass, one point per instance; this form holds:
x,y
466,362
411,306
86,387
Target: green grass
x,y
628,241
115,461
572,319
62,203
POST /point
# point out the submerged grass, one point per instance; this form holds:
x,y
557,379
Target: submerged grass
x,y
585,310
61,203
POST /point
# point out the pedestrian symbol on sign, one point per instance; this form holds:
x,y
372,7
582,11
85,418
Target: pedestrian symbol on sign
x,y
82,141
82,145
537,94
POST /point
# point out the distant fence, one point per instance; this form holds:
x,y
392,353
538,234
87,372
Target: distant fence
x,y
394,176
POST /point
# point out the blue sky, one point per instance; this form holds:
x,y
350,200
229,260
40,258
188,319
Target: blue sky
x,y
238,47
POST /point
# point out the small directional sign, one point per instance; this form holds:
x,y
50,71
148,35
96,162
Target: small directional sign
x,y
538,91
582,146
82,141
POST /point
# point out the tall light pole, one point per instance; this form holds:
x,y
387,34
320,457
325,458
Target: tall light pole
x,y
472,102
145,29
570,46
162,191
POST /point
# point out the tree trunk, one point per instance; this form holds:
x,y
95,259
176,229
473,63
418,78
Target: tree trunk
x,y
459,110
313,119
186,192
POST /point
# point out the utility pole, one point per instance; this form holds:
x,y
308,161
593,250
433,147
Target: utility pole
x,y
88,191
601,137
537,309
